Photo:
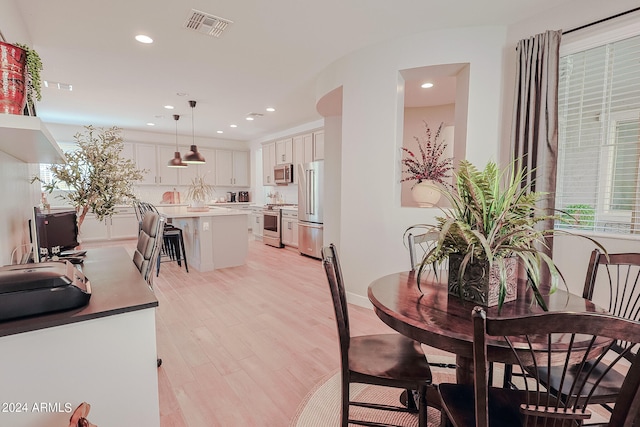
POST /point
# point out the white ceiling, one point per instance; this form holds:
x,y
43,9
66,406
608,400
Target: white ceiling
x,y
269,56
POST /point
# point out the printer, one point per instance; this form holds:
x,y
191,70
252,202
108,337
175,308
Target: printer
x,y
32,289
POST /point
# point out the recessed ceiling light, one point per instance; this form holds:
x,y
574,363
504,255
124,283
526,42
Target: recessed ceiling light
x,y
233,126
219,131
151,124
144,39
249,118
169,107
271,109
181,94
426,85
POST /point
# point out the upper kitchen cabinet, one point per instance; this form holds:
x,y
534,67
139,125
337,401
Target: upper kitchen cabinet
x,y
268,162
232,168
307,148
207,170
318,145
284,151
154,159
27,139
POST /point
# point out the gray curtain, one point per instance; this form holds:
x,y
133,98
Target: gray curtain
x,y
535,116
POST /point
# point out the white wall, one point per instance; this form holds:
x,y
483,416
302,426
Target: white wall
x,y
371,221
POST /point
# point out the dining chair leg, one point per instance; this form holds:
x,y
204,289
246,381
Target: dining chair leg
x,y
344,412
422,406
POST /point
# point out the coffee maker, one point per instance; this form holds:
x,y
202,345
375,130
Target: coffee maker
x,y
231,196
243,196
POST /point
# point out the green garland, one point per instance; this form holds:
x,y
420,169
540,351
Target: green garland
x,y
34,67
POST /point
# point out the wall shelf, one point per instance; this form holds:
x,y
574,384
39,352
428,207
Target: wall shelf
x,y
27,139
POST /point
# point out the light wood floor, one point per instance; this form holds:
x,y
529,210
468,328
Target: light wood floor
x,y
243,346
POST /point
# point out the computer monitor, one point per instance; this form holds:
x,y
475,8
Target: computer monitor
x,y
54,233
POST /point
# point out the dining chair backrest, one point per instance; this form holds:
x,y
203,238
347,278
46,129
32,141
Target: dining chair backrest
x,y
332,268
420,245
148,247
575,341
613,282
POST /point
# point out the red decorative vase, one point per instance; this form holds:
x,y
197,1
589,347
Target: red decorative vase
x,y
13,88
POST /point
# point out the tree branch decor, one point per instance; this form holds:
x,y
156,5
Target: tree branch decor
x,y
97,177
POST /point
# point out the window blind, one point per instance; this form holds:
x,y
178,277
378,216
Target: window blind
x,y
598,182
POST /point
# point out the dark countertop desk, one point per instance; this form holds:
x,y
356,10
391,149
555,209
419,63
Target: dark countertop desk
x,y
116,287
103,353
439,320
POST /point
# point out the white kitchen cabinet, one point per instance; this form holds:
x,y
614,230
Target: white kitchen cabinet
x,y
166,175
257,225
208,170
232,168
303,152
241,176
122,225
146,159
318,145
284,151
290,228
154,159
268,162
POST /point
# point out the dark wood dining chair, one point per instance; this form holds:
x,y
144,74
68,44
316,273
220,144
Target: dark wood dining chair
x,y
390,360
569,340
614,280
419,246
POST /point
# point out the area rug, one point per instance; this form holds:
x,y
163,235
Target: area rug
x,y
321,407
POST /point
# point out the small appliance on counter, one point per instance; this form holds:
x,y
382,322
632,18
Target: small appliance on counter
x,y
243,196
231,197
30,289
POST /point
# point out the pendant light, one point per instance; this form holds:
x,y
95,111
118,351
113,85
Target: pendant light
x,y
176,162
193,156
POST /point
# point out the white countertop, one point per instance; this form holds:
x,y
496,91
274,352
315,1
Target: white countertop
x,y
182,212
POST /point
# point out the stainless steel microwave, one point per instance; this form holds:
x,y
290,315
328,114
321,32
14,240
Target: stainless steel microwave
x,y
283,174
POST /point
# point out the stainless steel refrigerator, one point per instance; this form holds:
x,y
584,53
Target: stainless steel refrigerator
x,y
310,200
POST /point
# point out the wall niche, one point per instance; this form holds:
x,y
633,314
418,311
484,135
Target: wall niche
x,y
446,102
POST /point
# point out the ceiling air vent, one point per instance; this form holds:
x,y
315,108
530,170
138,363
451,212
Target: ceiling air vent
x,y
205,23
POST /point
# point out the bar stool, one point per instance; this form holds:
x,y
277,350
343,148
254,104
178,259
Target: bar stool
x,y
173,247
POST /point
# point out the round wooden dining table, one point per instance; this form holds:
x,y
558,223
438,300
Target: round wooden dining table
x,y
435,318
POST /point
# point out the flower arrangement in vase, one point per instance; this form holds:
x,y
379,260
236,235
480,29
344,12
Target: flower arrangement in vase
x,y
430,169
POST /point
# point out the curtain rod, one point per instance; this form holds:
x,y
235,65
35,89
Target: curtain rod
x,y
601,20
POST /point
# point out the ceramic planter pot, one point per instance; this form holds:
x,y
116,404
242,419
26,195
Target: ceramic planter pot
x,y
481,284
426,194
13,87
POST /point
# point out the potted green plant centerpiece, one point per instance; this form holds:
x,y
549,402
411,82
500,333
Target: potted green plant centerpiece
x,y
199,192
488,233
429,169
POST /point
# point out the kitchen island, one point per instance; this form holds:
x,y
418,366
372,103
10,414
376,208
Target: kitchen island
x,y
214,239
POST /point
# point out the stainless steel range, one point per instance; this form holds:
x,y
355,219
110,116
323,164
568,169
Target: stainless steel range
x,y
272,221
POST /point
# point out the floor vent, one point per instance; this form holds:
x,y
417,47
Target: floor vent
x,y
205,23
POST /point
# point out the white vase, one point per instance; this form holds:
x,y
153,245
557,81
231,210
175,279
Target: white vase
x,y
426,193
